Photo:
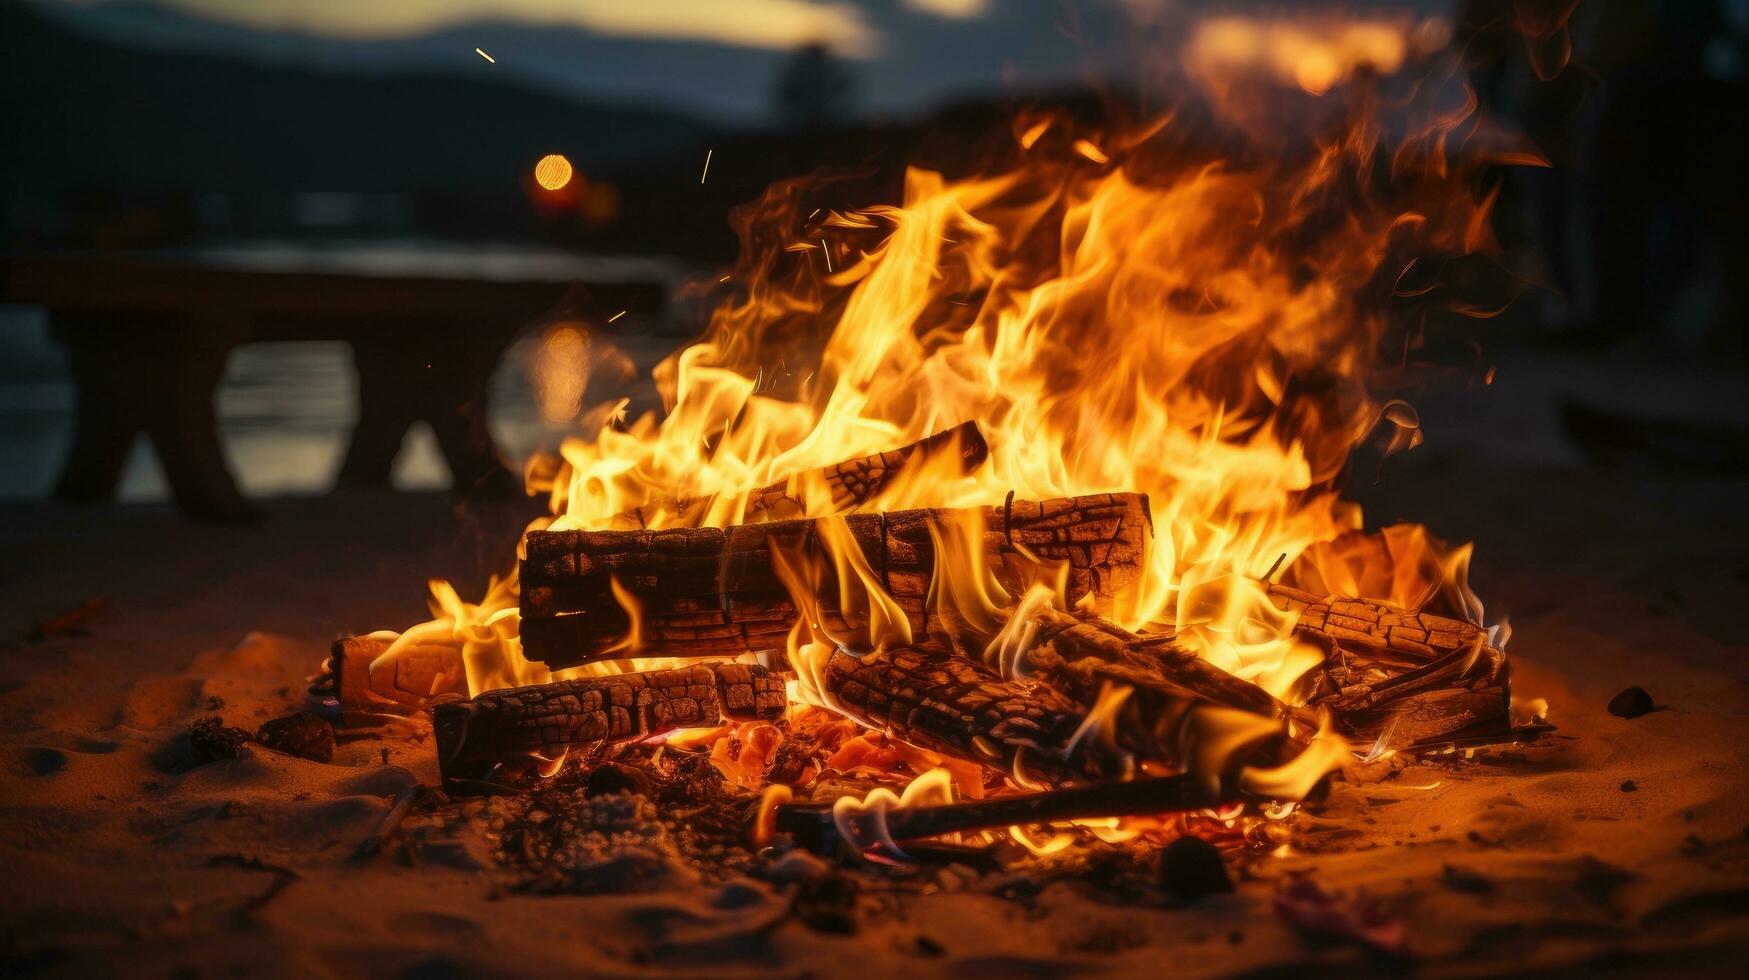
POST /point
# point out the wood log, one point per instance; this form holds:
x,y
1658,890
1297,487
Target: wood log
x,y
852,483
489,740
1077,653
1404,675
416,676
1404,634
955,706
713,592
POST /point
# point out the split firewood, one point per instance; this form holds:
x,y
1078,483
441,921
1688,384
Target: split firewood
x,y
713,591
953,705
407,683
1079,653
851,483
1409,635
1407,676
505,732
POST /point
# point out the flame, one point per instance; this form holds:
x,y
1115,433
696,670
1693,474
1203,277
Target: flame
x,y
1117,311
863,823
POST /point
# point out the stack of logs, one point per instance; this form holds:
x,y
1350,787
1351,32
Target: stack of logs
x,y
713,594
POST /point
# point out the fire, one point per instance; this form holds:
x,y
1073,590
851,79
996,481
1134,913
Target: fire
x,y
1117,311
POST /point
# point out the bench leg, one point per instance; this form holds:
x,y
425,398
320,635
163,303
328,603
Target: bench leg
x,y
402,381
185,430
386,409
108,391
135,377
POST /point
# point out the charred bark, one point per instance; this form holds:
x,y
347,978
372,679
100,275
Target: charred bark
x,y
1077,653
713,591
1403,675
496,736
955,706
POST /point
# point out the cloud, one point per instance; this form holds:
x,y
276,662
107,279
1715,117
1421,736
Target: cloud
x,y
774,24
951,9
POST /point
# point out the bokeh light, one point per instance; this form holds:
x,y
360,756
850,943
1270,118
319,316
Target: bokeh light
x,y
553,171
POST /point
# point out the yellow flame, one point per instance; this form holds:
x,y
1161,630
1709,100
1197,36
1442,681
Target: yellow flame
x,y
1201,332
863,823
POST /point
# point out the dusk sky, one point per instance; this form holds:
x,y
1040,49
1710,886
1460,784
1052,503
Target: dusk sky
x,y
711,57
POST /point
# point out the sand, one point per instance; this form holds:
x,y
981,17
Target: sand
x,y
1615,845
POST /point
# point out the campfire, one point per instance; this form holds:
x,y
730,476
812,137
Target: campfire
x,y
1008,512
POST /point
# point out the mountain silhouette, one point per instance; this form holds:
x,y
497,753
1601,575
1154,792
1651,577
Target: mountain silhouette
x,y
83,112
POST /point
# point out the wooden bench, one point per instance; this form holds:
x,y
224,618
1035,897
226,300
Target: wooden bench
x,y
148,337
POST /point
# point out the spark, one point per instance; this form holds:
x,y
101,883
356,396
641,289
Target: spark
x,y
724,279
486,56
616,316
814,212
828,253
707,165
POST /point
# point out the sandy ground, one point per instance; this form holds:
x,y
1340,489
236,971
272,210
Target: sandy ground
x,y
1619,845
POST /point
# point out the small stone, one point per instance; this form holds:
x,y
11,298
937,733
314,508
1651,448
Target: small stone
x,y
303,735
212,741
1631,703
1191,869
1629,786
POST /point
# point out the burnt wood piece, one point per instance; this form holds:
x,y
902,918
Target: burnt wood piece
x,y
1406,634
488,741
416,676
955,706
852,483
713,592
1405,675
1079,653
814,826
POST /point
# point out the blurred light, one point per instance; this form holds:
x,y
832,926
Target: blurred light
x,y
599,203
553,171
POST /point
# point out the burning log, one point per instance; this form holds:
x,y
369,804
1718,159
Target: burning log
x,y
525,725
1078,654
407,683
851,483
1403,634
713,591
1408,676
956,706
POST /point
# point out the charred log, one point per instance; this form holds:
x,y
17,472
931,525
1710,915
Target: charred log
x,y
1406,676
851,483
1077,653
1405,635
958,707
713,591
495,736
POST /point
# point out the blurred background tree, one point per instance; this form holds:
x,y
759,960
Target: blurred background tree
x,y
813,89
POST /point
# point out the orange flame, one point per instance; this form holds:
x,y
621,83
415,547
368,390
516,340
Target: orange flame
x,y
1117,314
